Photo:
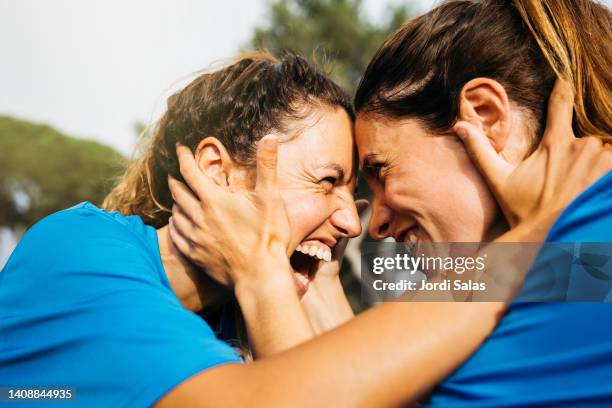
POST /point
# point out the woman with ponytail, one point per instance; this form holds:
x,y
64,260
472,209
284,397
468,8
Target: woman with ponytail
x,y
480,73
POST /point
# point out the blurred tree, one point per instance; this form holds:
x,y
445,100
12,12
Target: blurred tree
x,y
43,171
337,29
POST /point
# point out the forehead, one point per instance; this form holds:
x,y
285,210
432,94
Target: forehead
x,y
325,136
375,134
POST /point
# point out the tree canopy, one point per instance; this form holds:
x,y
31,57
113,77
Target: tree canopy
x,y
43,171
337,34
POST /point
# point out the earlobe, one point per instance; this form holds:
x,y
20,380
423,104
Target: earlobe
x,y
213,160
484,103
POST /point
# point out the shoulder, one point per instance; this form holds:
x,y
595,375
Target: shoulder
x,y
85,247
85,228
85,291
589,217
84,219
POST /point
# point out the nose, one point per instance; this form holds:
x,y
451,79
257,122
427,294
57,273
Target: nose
x,y
380,220
346,220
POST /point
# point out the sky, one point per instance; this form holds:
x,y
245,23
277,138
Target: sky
x,y
92,69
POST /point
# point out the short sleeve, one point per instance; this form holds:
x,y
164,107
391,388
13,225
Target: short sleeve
x,y
84,303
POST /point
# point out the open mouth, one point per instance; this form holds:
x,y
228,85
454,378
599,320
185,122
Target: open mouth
x,y
410,238
305,262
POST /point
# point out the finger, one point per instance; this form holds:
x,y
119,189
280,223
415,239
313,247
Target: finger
x,y
180,242
184,198
362,204
185,226
198,182
267,151
560,113
491,165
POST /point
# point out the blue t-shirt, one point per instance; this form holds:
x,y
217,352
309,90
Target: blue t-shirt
x,y
546,354
85,303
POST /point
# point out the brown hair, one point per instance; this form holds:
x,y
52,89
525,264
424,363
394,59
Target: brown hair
x,y
239,104
421,69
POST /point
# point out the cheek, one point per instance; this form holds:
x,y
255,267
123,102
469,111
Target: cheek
x,y
306,212
452,202
466,210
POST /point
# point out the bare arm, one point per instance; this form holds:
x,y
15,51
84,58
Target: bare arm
x,y
386,356
391,354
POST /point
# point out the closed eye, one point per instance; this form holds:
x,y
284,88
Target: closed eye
x,y
329,182
374,171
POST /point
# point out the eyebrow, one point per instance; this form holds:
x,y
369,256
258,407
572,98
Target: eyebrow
x,y
336,167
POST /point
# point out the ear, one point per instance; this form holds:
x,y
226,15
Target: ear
x,y
214,160
484,103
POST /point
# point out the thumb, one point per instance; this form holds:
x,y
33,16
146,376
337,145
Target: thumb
x,y
491,165
267,150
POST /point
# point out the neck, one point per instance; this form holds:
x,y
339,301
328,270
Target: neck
x,y
196,291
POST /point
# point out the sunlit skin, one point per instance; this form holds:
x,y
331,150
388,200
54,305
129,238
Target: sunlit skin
x,y
316,179
316,176
425,186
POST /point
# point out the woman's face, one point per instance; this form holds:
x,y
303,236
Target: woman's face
x,y
316,176
424,185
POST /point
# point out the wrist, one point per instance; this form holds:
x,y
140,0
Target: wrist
x,y
270,277
326,304
536,228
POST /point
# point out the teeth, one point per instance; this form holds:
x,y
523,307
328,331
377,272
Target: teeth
x,y
303,279
319,253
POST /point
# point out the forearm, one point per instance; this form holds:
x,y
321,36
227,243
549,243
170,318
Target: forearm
x,y
387,356
326,304
274,317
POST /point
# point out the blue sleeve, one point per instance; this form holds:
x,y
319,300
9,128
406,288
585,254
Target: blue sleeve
x,y
84,303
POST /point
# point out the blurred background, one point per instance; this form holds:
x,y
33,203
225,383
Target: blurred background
x,y
79,80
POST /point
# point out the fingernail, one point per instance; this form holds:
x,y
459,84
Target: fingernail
x,y
269,140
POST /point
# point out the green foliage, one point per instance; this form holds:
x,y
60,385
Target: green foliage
x,y
336,29
43,171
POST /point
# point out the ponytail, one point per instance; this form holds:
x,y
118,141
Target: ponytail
x,y
575,37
